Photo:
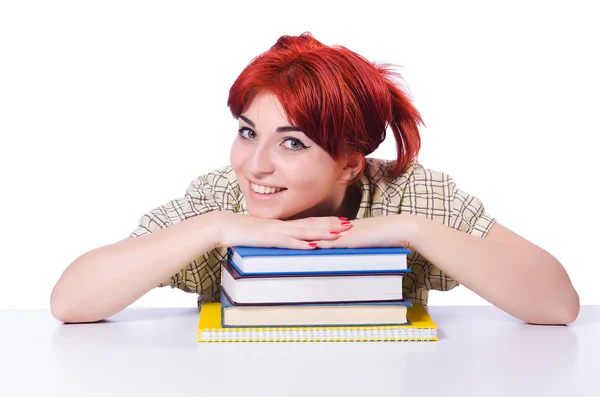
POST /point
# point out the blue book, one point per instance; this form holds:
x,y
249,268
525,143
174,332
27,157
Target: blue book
x,y
313,314
281,261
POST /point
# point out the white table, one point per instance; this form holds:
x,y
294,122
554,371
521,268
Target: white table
x,y
153,352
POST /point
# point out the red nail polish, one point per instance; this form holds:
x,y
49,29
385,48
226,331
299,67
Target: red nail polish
x,y
312,244
334,232
345,223
341,218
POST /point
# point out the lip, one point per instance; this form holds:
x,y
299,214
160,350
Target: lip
x,y
260,184
258,196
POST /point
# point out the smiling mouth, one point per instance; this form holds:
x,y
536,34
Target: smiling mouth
x,y
265,189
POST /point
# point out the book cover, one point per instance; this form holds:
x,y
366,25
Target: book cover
x,y
262,251
237,273
259,260
421,328
390,302
313,314
300,289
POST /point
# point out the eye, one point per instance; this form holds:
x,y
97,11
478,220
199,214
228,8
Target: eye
x,y
294,144
246,133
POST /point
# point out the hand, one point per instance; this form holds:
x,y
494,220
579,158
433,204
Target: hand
x,y
239,229
381,231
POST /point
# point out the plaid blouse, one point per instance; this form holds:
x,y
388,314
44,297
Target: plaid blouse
x,y
418,191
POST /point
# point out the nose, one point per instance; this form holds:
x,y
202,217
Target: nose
x,y
260,161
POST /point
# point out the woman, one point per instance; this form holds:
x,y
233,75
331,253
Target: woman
x,y
309,114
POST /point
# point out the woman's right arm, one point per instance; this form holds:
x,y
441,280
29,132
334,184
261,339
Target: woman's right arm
x,y
104,281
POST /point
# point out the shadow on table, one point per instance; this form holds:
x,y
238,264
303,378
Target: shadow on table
x,y
150,314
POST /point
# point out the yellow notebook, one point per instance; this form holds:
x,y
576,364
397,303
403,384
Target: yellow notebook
x,y
421,328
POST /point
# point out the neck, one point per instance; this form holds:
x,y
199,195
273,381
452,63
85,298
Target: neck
x,y
350,203
344,203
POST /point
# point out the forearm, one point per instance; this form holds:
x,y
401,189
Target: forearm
x,y
522,279
106,280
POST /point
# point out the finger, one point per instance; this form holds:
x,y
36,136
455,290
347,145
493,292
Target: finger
x,y
341,226
313,219
336,224
304,232
292,243
310,235
324,244
324,229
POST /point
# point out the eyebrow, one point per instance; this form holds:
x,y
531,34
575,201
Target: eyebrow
x,y
287,128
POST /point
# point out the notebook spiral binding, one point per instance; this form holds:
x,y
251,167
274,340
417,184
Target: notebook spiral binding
x,y
381,334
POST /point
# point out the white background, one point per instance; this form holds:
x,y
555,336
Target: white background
x,y
108,109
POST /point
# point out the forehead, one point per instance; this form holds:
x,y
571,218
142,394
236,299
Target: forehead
x,y
266,108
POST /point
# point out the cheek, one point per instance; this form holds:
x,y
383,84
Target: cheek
x,y
236,156
311,185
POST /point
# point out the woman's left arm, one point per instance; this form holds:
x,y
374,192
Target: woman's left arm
x,y
505,269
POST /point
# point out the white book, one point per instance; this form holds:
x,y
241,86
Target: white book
x,y
273,289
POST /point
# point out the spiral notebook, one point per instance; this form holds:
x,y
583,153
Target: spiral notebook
x,y
421,328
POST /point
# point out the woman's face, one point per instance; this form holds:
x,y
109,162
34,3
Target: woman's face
x,y
282,173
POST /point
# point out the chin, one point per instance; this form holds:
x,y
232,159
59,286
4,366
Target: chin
x,y
267,213
264,213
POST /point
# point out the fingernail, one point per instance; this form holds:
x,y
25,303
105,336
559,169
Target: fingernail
x,y
312,244
341,218
345,223
334,232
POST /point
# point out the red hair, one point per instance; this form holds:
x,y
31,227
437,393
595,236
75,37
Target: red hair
x,y
336,97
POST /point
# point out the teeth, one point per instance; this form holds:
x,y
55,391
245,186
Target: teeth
x,y
265,189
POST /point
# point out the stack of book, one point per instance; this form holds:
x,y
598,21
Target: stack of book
x,y
272,294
